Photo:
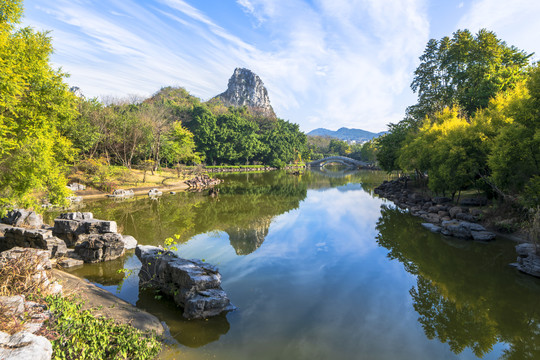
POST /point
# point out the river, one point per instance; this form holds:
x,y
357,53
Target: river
x,y
321,268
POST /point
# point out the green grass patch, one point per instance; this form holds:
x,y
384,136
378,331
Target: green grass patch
x,y
78,334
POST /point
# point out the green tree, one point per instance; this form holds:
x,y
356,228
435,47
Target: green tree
x,y
465,70
34,104
179,146
338,147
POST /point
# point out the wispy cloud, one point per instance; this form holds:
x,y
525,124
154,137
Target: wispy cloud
x,y
326,63
515,22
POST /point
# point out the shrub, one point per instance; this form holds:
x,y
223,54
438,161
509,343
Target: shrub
x,y
78,334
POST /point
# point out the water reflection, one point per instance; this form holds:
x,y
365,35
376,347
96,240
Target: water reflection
x,y
465,294
306,260
191,333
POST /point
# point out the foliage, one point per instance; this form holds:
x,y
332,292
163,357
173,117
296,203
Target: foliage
x,y
390,144
35,104
476,123
81,335
466,71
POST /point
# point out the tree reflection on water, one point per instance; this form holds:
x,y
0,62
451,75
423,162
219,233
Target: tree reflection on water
x,y
465,293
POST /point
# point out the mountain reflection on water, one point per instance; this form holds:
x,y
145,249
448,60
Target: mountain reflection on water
x,y
321,268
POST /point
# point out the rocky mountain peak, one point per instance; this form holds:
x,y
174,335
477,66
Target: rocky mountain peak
x,y
245,88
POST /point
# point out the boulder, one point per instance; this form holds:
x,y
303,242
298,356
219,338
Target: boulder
x,y
70,230
76,216
12,305
454,211
432,227
94,248
33,238
194,285
129,242
432,218
482,235
69,262
37,263
40,258
22,217
466,230
528,260
24,346
76,187
465,217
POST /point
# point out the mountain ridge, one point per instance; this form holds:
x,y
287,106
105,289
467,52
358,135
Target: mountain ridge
x,y
346,134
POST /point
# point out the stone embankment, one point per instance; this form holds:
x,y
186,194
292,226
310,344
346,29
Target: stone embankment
x,y
440,214
443,217
193,284
250,169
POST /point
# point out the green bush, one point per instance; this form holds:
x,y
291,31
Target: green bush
x,y
81,335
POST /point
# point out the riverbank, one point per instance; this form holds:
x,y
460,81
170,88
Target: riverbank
x,y
469,219
140,182
46,313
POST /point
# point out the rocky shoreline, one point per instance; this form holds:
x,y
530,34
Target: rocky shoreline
x,y
77,238
443,216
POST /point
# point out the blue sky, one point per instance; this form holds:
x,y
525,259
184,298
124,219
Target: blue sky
x,y
325,63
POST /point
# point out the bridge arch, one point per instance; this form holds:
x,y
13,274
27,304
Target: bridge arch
x,y
337,159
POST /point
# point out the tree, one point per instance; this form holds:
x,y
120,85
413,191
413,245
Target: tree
x,y
338,147
465,70
390,144
179,146
34,104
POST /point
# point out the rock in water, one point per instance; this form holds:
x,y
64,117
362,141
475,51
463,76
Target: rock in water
x,y
94,248
247,89
194,285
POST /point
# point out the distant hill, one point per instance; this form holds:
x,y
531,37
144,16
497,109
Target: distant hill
x,y
346,134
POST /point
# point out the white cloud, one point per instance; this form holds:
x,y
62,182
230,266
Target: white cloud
x,y
328,64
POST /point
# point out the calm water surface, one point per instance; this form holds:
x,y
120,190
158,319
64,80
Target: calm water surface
x,y
321,268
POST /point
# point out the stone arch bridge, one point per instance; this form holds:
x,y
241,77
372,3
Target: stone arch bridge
x,y
338,159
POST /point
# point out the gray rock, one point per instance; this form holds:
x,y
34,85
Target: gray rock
x,y
70,230
22,217
33,238
465,230
245,88
525,249
431,227
68,262
465,217
482,235
454,211
129,242
3,228
24,346
528,260
12,305
76,216
94,248
76,187
40,257
194,285
432,218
